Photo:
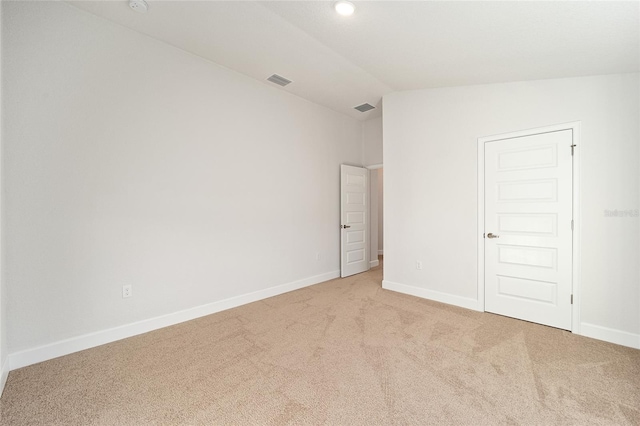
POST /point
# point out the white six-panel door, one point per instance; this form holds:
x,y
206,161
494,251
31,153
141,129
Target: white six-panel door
x,y
528,227
354,214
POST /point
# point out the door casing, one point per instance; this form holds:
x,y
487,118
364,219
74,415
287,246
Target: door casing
x,y
575,128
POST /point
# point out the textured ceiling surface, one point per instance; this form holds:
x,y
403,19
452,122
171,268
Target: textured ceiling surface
x,y
385,46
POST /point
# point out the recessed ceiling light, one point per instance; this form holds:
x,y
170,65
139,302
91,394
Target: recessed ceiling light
x,y
344,8
139,5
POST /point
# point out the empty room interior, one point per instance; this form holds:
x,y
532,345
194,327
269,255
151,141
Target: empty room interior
x,y
319,212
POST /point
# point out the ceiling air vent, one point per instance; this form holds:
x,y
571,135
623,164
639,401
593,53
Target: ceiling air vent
x,y
280,81
364,107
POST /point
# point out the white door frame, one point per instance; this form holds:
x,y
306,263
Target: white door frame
x,y
575,128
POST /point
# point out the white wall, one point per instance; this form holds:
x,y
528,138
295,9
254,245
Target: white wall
x,y
372,136
372,156
132,162
430,159
4,366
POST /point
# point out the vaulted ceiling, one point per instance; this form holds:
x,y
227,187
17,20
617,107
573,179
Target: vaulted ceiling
x,y
387,46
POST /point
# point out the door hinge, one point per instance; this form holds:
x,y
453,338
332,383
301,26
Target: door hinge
x,y
572,299
572,147
572,224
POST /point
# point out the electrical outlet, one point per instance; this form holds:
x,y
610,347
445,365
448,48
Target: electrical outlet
x,y
418,264
126,291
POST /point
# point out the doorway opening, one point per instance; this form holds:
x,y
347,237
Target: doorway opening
x,y
361,211
527,221
377,215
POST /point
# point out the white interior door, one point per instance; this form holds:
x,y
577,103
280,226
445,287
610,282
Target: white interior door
x,y
354,214
528,227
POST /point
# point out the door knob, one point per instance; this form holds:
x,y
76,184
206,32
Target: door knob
x,y
346,226
490,235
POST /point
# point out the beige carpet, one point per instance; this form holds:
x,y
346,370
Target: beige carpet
x,y
344,352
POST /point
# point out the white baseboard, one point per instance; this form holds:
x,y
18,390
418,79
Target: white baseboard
x,y
588,330
450,299
4,375
610,335
374,263
86,341
380,252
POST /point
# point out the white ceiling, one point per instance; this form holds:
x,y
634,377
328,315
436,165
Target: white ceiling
x,y
393,45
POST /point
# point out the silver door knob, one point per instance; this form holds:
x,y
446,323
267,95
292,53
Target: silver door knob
x,y
490,235
346,226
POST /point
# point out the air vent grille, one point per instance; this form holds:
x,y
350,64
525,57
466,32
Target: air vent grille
x,y
364,107
279,80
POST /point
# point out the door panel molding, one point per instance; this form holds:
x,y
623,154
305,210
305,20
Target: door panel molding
x,y
575,127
